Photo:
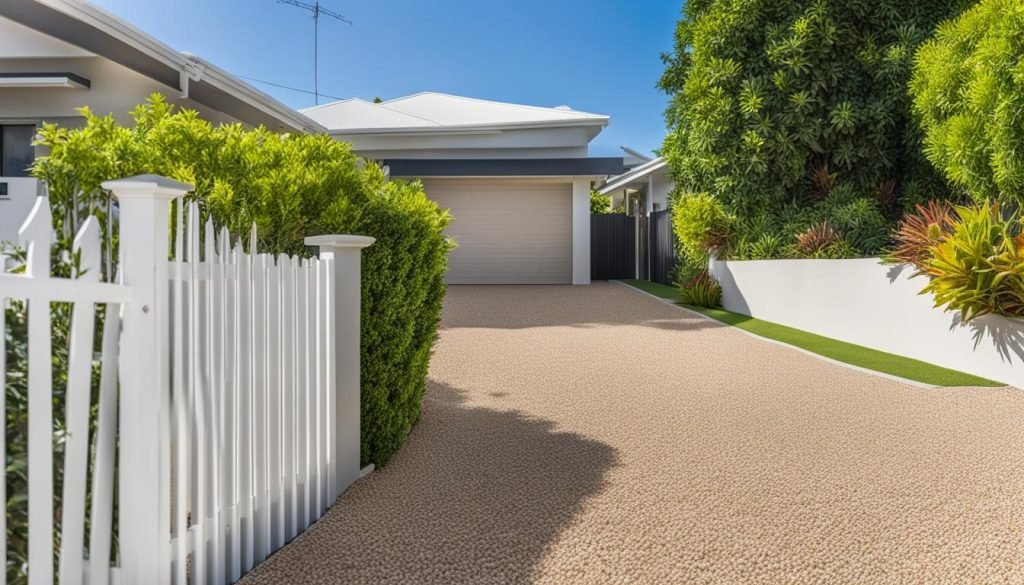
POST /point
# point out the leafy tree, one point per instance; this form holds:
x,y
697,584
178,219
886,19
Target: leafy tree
x,y
969,92
776,104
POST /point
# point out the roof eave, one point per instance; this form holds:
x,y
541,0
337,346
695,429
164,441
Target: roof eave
x,y
471,128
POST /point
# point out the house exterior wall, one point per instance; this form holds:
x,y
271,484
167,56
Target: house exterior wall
x,y
661,187
570,142
115,89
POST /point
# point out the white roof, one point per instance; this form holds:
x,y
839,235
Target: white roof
x,y
640,172
440,112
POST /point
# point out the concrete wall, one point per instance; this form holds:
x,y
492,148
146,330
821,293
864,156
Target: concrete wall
x,y
865,302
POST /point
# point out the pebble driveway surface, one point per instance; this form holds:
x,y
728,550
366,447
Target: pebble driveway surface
x,y
597,435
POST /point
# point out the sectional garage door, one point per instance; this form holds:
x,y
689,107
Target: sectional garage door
x,y
508,232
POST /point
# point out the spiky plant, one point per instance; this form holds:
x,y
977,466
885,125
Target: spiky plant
x,y
701,290
817,239
919,232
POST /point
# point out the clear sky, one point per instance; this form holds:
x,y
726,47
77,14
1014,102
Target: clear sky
x,y
600,56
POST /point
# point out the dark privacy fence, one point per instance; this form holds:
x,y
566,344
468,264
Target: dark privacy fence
x,y
617,241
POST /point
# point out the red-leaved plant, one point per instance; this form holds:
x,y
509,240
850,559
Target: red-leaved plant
x,y
919,232
817,239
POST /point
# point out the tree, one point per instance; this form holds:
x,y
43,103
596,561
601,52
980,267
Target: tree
x,y
968,90
788,109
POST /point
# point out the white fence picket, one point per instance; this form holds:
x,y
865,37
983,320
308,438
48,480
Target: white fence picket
x,y
228,355
77,395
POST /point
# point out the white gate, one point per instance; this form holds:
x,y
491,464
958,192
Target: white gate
x,y
228,403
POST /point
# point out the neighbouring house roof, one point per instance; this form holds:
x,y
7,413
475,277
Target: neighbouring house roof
x,y
438,112
634,157
88,27
641,172
545,167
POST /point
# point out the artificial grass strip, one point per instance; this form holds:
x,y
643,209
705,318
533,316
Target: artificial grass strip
x,y
840,351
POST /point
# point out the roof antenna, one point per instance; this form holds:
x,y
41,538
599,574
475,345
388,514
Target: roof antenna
x,y
317,10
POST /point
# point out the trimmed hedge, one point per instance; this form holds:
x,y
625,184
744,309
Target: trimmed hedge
x,y
290,186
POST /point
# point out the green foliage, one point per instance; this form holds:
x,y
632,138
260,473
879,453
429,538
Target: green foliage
x,y
290,186
978,268
791,113
701,290
600,203
968,90
701,225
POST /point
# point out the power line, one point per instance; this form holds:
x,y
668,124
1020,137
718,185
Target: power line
x,y
317,10
288,87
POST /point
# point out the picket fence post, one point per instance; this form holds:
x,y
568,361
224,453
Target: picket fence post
x,y
344,253
144,366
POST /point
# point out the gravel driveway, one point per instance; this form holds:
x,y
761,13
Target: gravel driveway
x,y
596,435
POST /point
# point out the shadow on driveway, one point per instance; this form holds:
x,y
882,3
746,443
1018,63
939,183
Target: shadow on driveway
x,y
474,497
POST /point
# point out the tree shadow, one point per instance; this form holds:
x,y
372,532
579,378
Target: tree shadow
x,y
1006,335
475,496
526,306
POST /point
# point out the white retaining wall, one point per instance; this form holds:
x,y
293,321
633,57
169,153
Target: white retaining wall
x,y
865,302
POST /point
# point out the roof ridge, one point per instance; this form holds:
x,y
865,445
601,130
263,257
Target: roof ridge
x,y
383,107
334,103
567,113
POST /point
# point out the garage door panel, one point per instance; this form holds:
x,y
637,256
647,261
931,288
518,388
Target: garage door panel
x,y
507,233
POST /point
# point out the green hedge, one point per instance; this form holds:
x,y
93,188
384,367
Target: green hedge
x,y
290,186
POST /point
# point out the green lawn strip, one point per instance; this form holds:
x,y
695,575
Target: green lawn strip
x,y
841,351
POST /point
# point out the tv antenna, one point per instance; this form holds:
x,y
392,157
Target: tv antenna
x,y
317,11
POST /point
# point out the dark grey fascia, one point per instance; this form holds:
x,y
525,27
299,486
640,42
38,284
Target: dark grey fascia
x,y
505,167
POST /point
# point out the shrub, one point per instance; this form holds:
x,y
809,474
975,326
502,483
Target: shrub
x,y
816,240
701,226
600,203
968,89
921,231
290,186
978,268
701,290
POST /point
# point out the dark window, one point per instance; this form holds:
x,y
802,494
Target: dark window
x,y
16,151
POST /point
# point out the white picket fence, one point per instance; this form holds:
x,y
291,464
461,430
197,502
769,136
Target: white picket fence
x,y
228,403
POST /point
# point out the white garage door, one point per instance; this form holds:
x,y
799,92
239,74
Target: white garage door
x,y
507,232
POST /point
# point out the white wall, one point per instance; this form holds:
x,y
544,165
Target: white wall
x,y
570,142
865,302
660,188
15,207
581,231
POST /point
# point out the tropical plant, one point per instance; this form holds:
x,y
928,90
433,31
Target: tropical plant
x,y
919,232
289,186
978,268
701,290
778,106
600,203
968,90
817,240
701,226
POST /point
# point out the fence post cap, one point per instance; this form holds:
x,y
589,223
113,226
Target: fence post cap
x,y
147,185
340,241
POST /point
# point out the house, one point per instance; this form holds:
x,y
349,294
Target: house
x,y
516,178
59,55
643,189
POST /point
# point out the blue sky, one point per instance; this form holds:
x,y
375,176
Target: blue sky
x,y
600,56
